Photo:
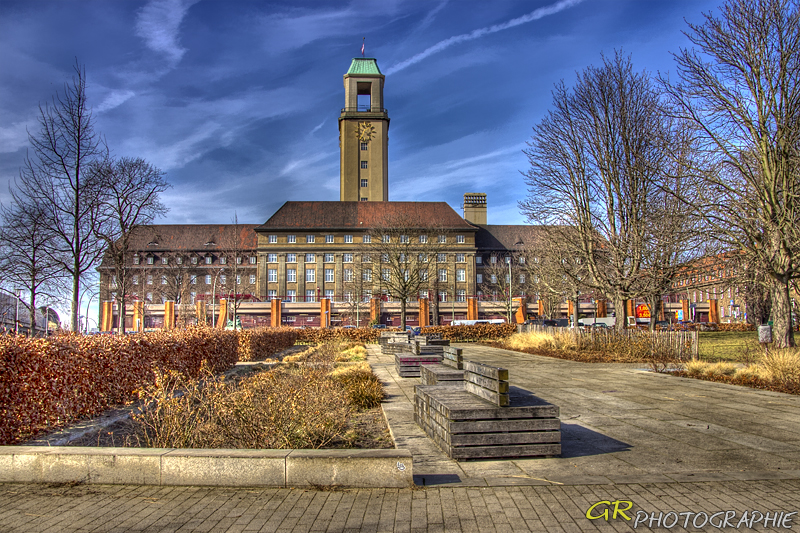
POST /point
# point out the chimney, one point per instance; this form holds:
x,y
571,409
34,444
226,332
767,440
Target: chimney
x,y
475,208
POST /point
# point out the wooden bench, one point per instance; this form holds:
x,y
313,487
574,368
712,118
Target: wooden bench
x,y
484,417
408,365
450,372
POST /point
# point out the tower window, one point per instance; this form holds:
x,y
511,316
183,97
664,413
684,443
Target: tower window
x,y
364,199
363,164
363,146
364,98
364,183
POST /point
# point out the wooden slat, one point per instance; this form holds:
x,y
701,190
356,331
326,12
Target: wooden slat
x,y
496,398
490,384
486,370
493,452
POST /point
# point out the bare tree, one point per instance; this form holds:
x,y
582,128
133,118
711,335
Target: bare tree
x,y
739,87
55,179
506,275
402,251
360,280
24,242
595,162
131,189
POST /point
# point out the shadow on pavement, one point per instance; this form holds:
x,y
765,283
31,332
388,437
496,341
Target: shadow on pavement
x,y
579,441
436,479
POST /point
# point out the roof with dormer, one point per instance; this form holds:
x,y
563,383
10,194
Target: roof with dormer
x,y
364,65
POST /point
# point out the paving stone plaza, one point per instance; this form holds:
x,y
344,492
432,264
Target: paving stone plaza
x,y
668,453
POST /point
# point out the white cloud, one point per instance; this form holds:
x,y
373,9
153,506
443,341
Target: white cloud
x,y
114,99
476,34
158,24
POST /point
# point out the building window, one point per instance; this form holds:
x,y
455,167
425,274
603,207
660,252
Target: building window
x,y
364,183
223,260
272,275
363,146
479,278
291,275
367,239
223,279
461,274
347,258
310,258
253,260
194,260
150,260
366,258
291,239
149,280
364,199
208,259
328,293
348,239
404,239
238,280
272,258
252,278
328,275
522,279
164,261
493,260
423,275
385,274
479,259
179,260
422,258
328,258
522,260
441,258
310,295
442,296
238,260
461,295
460,239
193,279
423,239
384,258
494,278
348,274
273,239
193,296
291,295
387,238
149,297
208,279
442,274
366,275
311,275
363,164
135,280
135,259
291,258
442,239
460,258
272,294
328,239
309,239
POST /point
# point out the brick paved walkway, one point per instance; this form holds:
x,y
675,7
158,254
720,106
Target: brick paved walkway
x,y
664,444
555,508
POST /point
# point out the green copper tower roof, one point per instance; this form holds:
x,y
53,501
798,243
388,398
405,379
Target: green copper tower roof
x,y
364,65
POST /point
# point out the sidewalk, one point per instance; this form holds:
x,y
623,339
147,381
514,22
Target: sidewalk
x,y
659,442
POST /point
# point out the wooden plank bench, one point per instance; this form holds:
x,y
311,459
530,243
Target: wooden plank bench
x,y
450,372
485,417
408,365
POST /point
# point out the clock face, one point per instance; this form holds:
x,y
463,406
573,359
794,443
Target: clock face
x,y
366,131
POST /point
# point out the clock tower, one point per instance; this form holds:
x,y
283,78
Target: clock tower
x,y
363,135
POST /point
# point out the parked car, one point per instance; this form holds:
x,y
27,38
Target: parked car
x,y
413,329
663,324
378,326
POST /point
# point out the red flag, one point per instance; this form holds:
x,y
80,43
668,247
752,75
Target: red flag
x,y
362,49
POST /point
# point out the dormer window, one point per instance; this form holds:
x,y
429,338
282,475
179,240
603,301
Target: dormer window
x,y
211,243
223,260
150,259
135,259
152,243
194,260
208,259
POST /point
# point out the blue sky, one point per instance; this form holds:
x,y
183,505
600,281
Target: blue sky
x,y
237,101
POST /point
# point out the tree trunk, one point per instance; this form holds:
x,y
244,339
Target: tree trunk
x,y
655,304
782,334
620,312
121,329
32,310
74,304
403,314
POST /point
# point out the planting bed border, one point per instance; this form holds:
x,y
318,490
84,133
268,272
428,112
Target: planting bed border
x,y
207,467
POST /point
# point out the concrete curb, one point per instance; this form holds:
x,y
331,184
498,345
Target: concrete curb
x,y
223,468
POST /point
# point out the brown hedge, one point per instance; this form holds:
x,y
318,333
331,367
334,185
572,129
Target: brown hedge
x,y
47,383
258,344
371,335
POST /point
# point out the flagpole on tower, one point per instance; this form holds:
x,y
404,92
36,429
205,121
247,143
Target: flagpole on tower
x,y
362,46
